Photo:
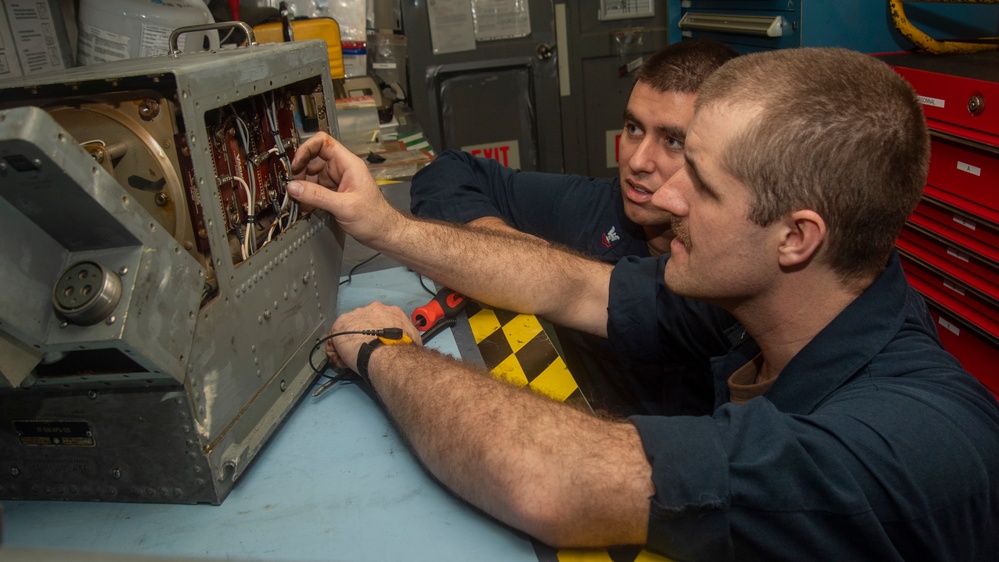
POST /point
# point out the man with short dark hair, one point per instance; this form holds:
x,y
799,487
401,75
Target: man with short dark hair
x,y
605,217
841,427
608,218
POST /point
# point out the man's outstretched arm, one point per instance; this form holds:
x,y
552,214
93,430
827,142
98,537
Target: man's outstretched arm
x,y
554,472
510,272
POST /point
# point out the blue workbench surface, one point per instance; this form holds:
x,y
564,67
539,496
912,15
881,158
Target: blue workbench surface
x,y
336,482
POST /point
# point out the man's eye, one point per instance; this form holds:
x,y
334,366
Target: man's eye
x,y
703,189
674,143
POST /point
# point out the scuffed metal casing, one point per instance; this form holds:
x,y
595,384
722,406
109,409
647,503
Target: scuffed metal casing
x,y
196,385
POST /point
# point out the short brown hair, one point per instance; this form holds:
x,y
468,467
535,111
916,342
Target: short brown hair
x,y
838,133
683,66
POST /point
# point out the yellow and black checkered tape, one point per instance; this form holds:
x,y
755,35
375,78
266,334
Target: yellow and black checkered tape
x,y
516,348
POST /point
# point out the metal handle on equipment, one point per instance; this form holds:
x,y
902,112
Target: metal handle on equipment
x,y
175,35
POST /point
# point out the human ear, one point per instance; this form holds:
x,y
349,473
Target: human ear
x,y
804,232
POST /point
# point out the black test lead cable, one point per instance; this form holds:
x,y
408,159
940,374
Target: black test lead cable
x,y
387,333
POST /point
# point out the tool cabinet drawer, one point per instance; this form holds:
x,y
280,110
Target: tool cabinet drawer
x,y
970,172
958,228
977,354
966,102
970,269
950,244
952,295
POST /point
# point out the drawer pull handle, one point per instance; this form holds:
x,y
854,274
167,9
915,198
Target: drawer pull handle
x,y
950,327
762,26
958,254
953,287
965,222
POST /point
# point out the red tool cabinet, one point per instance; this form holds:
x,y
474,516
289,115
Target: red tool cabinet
x,y
950,244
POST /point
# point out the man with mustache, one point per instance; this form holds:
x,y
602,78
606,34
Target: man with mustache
x,y
607,218
841,427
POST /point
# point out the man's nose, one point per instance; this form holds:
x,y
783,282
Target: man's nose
x,y
670,195
643,159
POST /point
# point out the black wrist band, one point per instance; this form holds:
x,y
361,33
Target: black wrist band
x,y
364,355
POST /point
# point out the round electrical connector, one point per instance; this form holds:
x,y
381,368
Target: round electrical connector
x,y
86,293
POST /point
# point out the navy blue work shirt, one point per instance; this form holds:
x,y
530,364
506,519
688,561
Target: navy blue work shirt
x,y
584,213
872,444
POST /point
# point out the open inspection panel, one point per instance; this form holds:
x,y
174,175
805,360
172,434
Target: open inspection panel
x,y
168,289
950,244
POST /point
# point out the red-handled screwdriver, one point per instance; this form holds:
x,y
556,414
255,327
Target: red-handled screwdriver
x,y
445,304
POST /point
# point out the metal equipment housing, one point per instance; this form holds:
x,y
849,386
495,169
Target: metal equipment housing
x,y
163,292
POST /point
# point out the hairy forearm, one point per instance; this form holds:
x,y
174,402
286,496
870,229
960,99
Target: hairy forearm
x,y
555,472
508,271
